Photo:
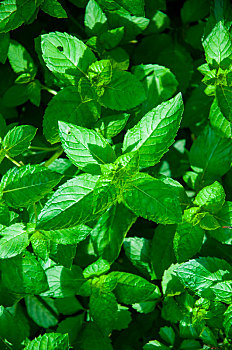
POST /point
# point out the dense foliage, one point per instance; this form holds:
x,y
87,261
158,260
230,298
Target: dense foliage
x,y
116,179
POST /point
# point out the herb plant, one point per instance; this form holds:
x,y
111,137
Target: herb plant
x,y
115,165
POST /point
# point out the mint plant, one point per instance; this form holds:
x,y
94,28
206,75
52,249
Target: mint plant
x,y
115,175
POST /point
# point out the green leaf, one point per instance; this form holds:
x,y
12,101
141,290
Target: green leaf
x,y
123,318
228,321
97,268
53,8
42,311
112,124
40,245
138,251
14,239
155,133
224,218
10,17
211,198
4,46
108,234
100,74
54,341
155,344
92,338
63,282
193,10
162,253
167,334
133,289
67,106
207,277
135,7
171,284
18,139
95,19
28,184
67,57
111,38
223,97
211,154
159,83
20,60
218,46
218,121
86,148
153,199
15,96
123,92
24,275
71,235
103,309
186,233
77,201
72,326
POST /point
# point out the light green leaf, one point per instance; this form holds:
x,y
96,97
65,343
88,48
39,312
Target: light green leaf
x,y
207,277
152,199
86,148
155,344
18,139
186,233
211,198
171,284
155,133
14,239
28,184
4,46
228,322
223,97
97,268
218,46
24,275
219,122
95,19
68,106
54,341
133,289
123,92
10,17
100,74
111,125
103,309
108,234
71,235
40,245
63,282
167,334
53,8
77,201
210,154
20,60
224,218
162,253
42,311
67,57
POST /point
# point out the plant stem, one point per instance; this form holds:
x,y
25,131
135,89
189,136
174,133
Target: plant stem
x,y
54,156
35,211
44,87
13,160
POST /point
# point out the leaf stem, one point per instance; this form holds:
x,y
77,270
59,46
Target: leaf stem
x,y
44,87
13,160
54,156
35,212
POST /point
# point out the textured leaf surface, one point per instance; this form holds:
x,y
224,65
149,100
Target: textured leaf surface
x,y
66,56
85,148
49,341
155,133
18,139
67,106
28,184
153,200
14,239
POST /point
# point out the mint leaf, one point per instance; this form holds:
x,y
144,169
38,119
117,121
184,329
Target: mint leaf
x,y
148,197
211,198
56,340
95,19
85,148
68,106
18,139
13,241
54,9
155,133
63,55
26,185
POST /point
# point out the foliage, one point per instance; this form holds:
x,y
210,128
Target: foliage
x,y
115,174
